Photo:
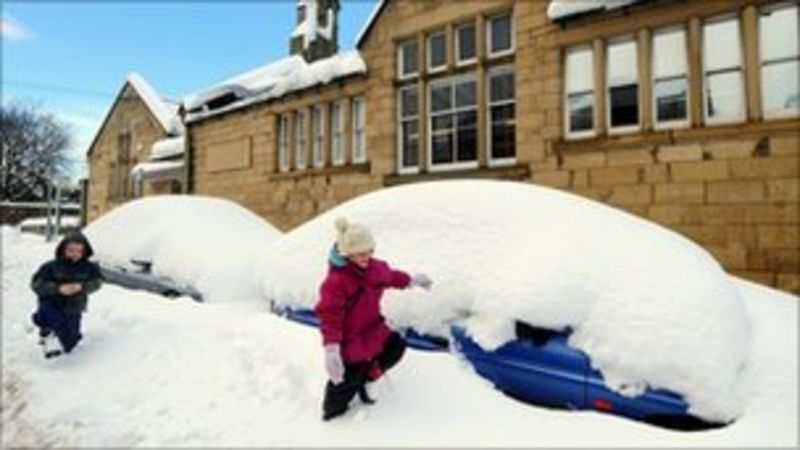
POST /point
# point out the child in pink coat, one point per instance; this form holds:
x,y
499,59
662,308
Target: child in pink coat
x,y
359,346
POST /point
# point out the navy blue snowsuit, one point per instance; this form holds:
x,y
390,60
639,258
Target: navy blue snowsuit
x,y
59,313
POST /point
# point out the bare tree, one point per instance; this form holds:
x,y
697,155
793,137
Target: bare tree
x,y
34,151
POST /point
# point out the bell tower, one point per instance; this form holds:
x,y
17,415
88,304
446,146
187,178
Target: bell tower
x,y
316,34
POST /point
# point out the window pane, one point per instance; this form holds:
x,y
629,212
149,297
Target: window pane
x,y
503,132
409,103
465,94
466,42
624,105
410,149
441,97
442,149
724,95
781,86
622,67
409,58
721,45
580,70
669,54
671,98
467,145
581,112
779,34
500,29
501,87
436,50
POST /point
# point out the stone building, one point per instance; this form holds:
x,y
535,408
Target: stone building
x,y
682,112
138,150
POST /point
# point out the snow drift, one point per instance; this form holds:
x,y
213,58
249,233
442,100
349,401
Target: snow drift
x,y
650,307
211,244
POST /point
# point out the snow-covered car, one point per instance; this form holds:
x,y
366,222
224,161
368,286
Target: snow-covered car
x,y
540,367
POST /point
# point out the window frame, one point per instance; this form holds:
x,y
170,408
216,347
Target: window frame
x,y
454,110
512,38
300,144
284,141
358,135
742,115
401,75
670,124
337,133
401,120
624,129
492,72
585,134
783,113
457,47
429,53
318,136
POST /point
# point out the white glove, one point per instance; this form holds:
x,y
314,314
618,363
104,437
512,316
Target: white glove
x,y
333,363
422,281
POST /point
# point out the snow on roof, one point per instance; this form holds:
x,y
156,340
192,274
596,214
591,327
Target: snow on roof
x,y
166,112
551,259
273,81
151,169
561,9
376,11
167,148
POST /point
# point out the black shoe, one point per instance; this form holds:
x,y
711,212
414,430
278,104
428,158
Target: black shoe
x,y
363,395
53,354
328,415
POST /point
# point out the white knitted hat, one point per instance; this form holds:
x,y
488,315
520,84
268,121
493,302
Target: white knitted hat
x,y
352,238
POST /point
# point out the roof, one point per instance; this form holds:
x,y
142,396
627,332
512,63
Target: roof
x,y
167,148
367,27
272,81
165,112
563,9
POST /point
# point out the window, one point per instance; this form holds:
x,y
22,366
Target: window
x,y
359,130
780,60
337,133
670,80
453,122
579,88
502,115
722,67
437,51
318,130
623,85
283,143
408,112
500,36
300,156
407,59
466,48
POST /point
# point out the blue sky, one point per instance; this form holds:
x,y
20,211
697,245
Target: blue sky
x,y
71,58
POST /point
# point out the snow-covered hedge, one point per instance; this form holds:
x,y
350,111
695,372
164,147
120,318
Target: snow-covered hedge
x,y
650,307
211,244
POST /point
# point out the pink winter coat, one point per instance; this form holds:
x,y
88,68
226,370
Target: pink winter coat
x,y
349,308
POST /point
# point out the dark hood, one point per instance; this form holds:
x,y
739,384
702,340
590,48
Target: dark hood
x,y
74,236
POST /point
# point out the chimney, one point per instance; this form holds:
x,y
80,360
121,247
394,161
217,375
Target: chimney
x,y
316,34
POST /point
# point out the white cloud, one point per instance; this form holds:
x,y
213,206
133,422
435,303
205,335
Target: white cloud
x,y
13,30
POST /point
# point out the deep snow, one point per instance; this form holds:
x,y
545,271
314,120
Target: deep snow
x,y
211,244
163,372
638,296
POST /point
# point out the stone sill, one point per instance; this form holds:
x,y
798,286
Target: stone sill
x,y
322,171
517,171
676,136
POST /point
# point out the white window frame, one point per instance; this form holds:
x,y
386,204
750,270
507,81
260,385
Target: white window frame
x,y
337,133
283,142
318,136
511,30
670,124
300,144
446,167
783,113
742,95
457,49
575,135
401,61
625,129
359,132
429,53
498,71
401,169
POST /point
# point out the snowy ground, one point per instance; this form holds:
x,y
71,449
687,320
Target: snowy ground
x,y
155,372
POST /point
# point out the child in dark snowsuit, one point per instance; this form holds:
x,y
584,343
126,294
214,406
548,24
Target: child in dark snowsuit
x,y
359,346
63,286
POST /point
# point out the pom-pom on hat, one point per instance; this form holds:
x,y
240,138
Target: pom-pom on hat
x,y
352,238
